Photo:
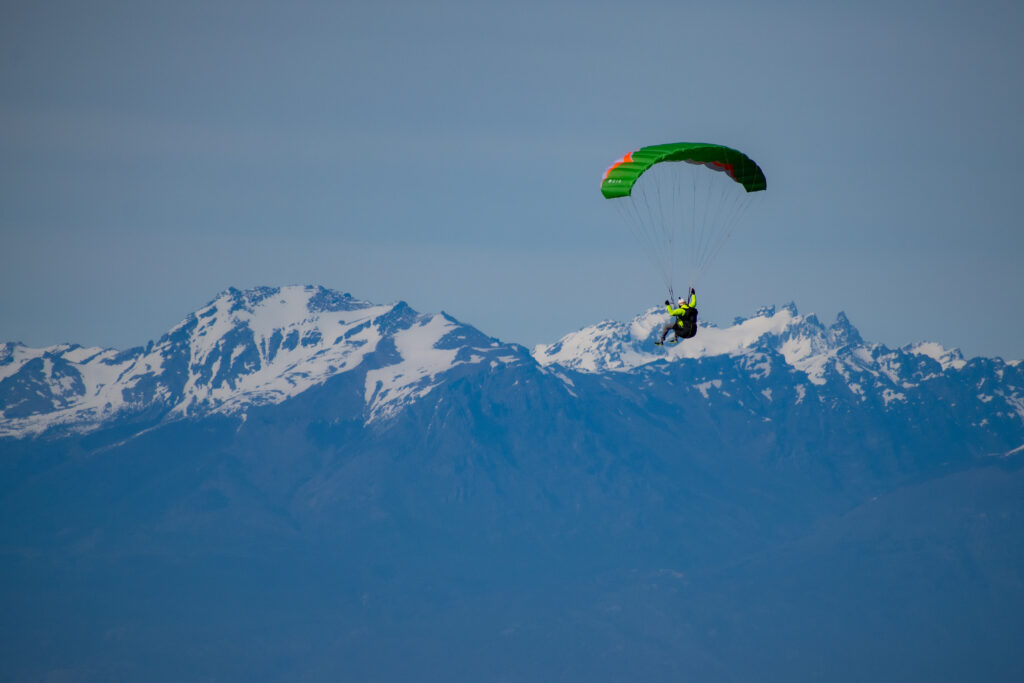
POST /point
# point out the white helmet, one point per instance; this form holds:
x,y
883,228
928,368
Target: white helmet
x,y
681,302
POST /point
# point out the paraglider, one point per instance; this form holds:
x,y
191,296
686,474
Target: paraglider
x,y
683,201
684,319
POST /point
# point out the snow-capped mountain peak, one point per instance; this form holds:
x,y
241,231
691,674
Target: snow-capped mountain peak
x,y
947,358
262,347
833,359
803,341
612,346
245,348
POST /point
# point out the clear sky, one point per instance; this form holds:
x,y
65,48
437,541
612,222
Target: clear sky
x,y
449,154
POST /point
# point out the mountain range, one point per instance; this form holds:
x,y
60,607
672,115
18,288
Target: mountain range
x,y
295,484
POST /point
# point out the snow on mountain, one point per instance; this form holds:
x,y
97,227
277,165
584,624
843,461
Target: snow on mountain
x,y
621,347
245,348
263,346
947,358
427,349
805,343
804,358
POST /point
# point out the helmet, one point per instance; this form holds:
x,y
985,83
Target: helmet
x,y
681,302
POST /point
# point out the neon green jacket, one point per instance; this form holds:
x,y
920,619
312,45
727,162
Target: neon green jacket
x,y
681,311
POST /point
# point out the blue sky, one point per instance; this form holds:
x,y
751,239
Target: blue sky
x,y
449,154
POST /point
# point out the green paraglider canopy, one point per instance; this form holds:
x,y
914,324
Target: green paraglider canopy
x,y
682,212
622,175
